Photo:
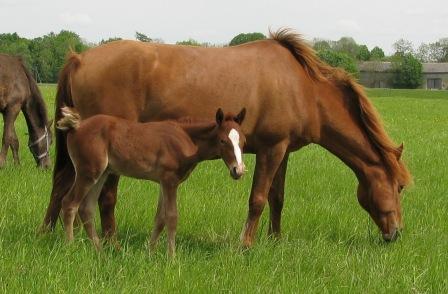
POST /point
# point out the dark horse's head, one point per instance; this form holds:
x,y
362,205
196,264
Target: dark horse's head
x,y
231,141
40,140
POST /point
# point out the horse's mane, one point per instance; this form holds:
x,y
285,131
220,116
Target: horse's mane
x,y
372,124
36,102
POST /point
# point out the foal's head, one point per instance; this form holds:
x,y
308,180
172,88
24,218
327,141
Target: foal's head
x,y
231,141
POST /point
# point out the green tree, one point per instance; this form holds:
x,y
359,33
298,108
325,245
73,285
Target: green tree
x,y
105,41
403,46
189,42
377,53
320,45
246,37
407,71
142,37
363,53
346,45
49,52
339,59
13,44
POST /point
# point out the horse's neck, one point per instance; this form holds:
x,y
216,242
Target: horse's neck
x,y
35,116
343,134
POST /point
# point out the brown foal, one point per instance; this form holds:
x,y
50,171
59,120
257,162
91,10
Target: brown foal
x,y
165,152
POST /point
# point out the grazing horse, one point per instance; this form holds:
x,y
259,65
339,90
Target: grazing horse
x,y
294,99
165,152
19,91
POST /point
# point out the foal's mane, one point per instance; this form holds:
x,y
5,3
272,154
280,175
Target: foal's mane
x,y
196,127
372,124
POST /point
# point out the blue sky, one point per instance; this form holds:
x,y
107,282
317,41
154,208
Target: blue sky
x,y
370,22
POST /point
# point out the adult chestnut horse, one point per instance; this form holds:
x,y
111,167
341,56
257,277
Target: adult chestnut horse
x,y
293,99
19,92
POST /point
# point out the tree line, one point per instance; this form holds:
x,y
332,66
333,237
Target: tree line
x,y
46,55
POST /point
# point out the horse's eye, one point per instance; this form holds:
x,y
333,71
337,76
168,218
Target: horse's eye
x,y
222,142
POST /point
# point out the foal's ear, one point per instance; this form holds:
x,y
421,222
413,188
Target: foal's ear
x,y
400,151
240,117
219,116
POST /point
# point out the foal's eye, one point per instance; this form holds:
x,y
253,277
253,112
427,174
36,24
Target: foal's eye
x,y
222,142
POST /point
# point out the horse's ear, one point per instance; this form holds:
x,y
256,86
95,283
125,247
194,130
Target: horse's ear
x,y
399,151
240,117
219,116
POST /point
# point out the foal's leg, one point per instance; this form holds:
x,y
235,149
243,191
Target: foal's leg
x,y
9,135
159,222
267,163
276,196
170,207
87,211
72,201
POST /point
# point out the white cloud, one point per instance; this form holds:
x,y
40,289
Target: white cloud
x,y
348,25
75,18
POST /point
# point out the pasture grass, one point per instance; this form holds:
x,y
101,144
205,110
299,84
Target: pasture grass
x,y
329,243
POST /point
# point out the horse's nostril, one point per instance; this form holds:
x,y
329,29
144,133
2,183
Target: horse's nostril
x,y
234,170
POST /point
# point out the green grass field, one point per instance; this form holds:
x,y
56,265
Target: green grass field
x,y
329,243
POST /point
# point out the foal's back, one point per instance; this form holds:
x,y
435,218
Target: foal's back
x,y
139,150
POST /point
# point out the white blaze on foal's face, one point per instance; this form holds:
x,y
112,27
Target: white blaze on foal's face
x,y
234,137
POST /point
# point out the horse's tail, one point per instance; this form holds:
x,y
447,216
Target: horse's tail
x,y
63,99
36,101
63,172
70,120
320,71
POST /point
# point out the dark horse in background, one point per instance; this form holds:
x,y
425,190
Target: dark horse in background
x,y
19,92
292,99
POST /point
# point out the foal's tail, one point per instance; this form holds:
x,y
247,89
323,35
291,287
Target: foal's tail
x,y
70,119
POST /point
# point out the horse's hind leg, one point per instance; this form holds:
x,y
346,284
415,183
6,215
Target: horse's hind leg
x,y
107,202
276,196
87,211
9,135
159,222
72,201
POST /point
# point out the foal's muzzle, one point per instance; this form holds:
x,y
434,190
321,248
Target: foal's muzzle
x,y
237,171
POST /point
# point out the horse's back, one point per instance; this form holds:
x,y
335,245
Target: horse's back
x,y
148,82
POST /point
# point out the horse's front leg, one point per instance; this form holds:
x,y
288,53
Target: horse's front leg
x,y
159,222
276,198
9,135
170,207
267,163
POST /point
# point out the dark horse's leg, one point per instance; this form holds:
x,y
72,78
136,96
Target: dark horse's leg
x,y
276,196
107,201
267,164
9,135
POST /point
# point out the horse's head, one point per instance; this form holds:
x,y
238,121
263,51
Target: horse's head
x,y
39,145
380,196
231,141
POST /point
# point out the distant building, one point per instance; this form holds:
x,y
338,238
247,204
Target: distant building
x,y
377,74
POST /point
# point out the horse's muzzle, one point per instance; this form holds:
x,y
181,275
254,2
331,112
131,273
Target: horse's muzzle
x,y
392,236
